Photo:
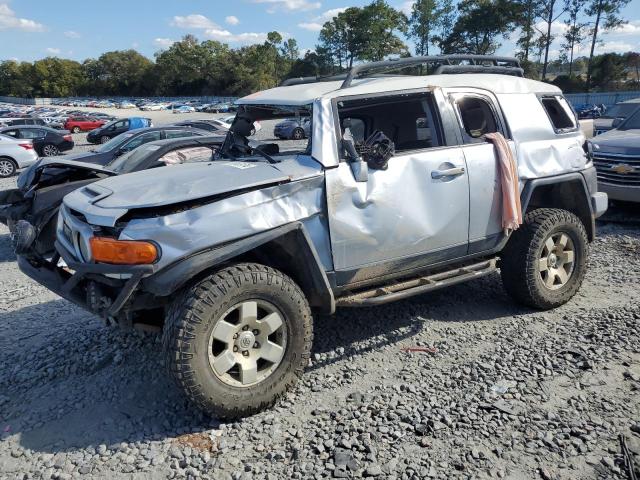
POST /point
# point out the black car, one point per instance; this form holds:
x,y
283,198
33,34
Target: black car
x,y
125,142
204,124
30,210
114,128
46,141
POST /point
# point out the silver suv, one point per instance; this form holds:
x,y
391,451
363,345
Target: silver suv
x,y
396,193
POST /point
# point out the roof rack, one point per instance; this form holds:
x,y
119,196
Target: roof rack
x,y
447,64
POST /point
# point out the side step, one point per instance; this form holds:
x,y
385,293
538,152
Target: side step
x,y
416,286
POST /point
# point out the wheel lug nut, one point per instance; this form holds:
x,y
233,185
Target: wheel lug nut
x,y
245,353
256,345
256,332
235,349
245,328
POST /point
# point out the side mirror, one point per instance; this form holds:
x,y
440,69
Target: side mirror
x,y
359,167
616,122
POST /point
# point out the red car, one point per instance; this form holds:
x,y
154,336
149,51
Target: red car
x,y
82,124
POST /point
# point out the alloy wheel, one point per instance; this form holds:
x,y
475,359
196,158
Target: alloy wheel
x,y
557,260
50,150
7,168
247,343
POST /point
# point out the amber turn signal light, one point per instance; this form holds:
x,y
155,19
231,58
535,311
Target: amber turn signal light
x,y
122,252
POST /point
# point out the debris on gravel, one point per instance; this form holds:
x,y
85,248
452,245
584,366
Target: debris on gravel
x,y
460,383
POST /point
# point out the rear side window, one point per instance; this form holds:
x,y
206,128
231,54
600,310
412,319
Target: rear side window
x,y
559,112
179,133
478,118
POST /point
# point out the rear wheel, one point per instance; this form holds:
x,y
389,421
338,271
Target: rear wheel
x,y
75,129
545,261
104,139
7,167
298,134
238,340
50,150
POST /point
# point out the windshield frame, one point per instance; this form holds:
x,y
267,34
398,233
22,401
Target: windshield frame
x,y
113,144
628,123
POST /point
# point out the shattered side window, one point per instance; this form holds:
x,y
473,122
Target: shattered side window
x,y
478,118
559,112
406,119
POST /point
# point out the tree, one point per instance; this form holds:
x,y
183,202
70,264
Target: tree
x,y
479,26
527,13
549,16
608,71
427,18
290,50
342,37
575,34
607,11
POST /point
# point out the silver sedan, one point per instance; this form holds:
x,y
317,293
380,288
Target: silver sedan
x,y
15,154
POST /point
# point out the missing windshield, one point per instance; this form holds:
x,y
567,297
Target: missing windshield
x,y
284,131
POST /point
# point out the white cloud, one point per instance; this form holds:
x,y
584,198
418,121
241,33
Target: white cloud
x,y
290,5
72,34
311,26
163,42
135,44
53,51
316,24
226,36
194,20
8,20
557,28
407,7
631,28
232,20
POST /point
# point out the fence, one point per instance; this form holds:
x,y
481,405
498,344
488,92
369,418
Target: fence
x,y
606,98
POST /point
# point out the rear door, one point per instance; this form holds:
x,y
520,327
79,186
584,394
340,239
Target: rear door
x,y
478,113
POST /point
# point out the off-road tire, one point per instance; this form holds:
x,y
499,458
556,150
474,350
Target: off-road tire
x,y
195,312
519,260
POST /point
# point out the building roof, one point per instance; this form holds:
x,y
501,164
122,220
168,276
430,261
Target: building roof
x,y
305,94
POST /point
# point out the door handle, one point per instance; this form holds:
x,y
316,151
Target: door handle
x,y
450,172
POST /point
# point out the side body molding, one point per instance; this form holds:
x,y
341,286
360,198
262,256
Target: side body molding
x,y
302,263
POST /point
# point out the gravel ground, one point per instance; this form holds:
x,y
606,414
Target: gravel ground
x,y
498,391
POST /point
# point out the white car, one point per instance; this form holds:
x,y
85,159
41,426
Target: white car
x,y
154,107
15,154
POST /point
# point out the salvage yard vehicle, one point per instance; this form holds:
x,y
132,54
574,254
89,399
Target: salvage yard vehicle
x,y
293,129
396,193
114,128
48,142
15,154
615,115
616,156
32,208
82,124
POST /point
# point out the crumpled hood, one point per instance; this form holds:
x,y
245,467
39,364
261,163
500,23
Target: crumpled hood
x,y
618,141
27,177
171,185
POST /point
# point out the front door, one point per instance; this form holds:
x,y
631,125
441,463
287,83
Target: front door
x,y
413,213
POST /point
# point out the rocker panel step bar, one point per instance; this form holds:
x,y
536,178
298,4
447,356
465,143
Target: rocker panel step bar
x,y
416,286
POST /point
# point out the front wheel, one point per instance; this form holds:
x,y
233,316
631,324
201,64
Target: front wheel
x,y
298,134
545,261
104,139
75,130
237,340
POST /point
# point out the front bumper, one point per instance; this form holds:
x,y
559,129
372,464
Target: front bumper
x,y
623,193
80,282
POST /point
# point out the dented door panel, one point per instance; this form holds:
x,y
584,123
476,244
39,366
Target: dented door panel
x,y
398,212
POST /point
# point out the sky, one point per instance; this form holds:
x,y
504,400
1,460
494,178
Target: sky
x,y
79,29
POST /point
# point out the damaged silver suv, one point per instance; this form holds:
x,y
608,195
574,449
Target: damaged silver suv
x,y
395,193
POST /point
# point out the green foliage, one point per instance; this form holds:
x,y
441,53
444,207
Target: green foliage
x,y
480,26
569,84
430,23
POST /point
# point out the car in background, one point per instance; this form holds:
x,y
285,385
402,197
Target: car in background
x,y
15,154
31,209
125,104
221,108
47,141
82,124
152,107
616,156
210,125
9,122
589,111
293,129
114,128
125,142
615,115
183,109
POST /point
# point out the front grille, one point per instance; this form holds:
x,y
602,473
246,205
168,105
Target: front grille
x,y
617,169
